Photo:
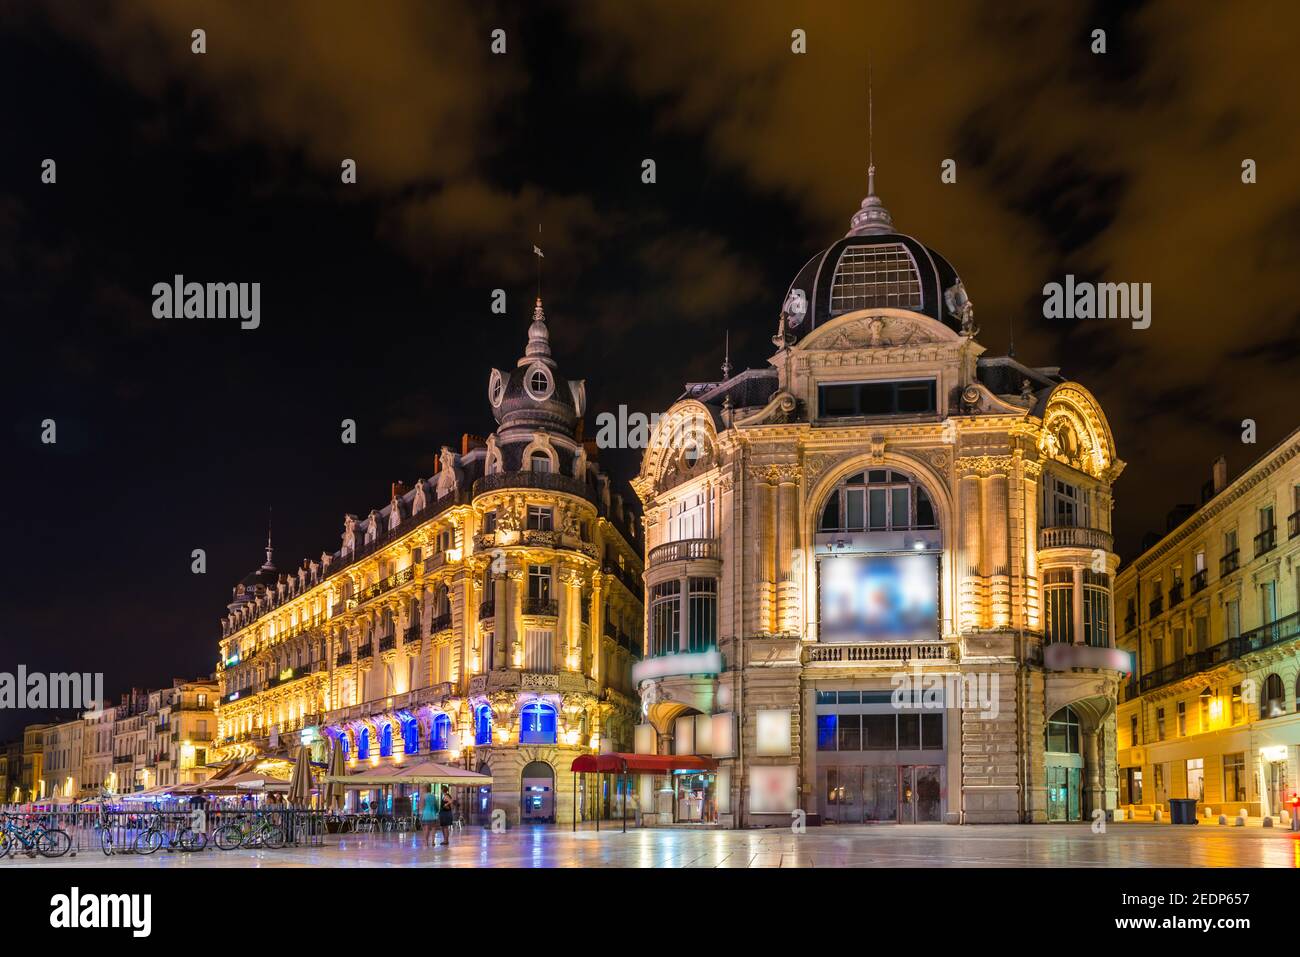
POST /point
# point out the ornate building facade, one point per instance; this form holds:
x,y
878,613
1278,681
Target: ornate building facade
x,y
1211,614
487,616
878,572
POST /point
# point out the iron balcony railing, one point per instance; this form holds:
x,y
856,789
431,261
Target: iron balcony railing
x,y
1229,563
1199,581
541,606
1293,524
1075,536
439,623
1156,606
1130,621
387,643
1175,593
344,658
365,651
546,481
487,609
1284,629
387,584
411,634
1266,540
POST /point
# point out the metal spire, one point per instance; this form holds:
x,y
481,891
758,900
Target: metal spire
x,y
872,217
726,358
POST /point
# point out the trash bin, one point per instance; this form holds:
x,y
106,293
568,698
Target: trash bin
x,y
1182,811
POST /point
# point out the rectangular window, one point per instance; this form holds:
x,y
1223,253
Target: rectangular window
x,y
879,732
1234,777
910,397
539,582
1096,609
909,732
1238,706
490,522
1133,731
1160,724
1058,587
827,734
1157,654
931,732
1196,778
1182,719
850,732
540,518
703,614
1232,619
665,618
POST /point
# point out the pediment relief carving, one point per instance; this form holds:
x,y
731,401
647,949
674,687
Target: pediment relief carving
x,y
877,331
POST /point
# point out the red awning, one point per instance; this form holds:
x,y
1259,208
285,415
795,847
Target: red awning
x,y
641,763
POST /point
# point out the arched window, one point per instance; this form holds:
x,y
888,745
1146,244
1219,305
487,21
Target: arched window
x,y
343,743
363,744
1063,732
877,500
410,735
439,733
539,462
483,725
386,741
537,724
1273,701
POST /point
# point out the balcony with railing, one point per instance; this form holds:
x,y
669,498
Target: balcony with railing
x,y
1130,621
1199,581
1229,563
1257,639
411,634
544,481
1075,536
344,658
1175,593
1293,524
386,585
365,651
387,643
541,606
689,549
1156,606
439,623
1266,541
487,609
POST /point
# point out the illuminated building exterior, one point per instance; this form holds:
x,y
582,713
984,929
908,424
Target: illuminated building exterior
x,y
883,502
31,777
97,751
61,759
486,617
1211,613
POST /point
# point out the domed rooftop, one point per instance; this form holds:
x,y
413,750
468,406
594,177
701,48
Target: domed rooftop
x,y
874,266
534,395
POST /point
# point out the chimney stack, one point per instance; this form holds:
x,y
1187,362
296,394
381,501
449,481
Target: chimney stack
x,y
1220,474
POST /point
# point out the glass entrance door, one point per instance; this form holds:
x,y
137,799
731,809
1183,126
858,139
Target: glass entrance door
x,y
880,794
920,794
1064,793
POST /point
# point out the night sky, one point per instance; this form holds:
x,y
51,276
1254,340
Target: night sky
x,y
225,167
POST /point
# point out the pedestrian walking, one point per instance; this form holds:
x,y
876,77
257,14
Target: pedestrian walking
x,y
446,815
429,816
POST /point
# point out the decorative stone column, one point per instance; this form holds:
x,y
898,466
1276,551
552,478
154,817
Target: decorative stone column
x,y
787,540
972,553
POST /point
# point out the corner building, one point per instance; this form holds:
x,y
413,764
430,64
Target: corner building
x,y
486,617
879,571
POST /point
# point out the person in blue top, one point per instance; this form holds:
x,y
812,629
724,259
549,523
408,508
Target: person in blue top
x,y
429,816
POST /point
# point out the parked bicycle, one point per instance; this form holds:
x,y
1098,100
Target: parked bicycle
x,y
32,840
241,834
178,837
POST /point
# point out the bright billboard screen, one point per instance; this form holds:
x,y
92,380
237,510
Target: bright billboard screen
x,y
879,598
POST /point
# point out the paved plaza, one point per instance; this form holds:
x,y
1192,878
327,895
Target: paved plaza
x,y
1060,845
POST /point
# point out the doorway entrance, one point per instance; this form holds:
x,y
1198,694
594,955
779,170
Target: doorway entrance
x,y
1064,793
538,798
882,794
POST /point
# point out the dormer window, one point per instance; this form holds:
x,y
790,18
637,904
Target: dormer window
x,y
879,275
537,382
539,462
900,397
